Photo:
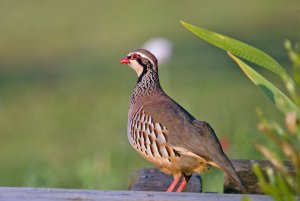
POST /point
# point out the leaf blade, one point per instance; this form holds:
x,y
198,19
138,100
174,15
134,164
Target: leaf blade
x,y
280,100
237,48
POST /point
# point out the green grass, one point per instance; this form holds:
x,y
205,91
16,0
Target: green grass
x,y
64,98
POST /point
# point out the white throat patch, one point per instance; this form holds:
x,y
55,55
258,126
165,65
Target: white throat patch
x,y
136,66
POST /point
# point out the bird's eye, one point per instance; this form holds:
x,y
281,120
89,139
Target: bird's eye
x,y
134,56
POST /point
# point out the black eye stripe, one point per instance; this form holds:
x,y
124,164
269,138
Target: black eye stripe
x,y
140,61
144,65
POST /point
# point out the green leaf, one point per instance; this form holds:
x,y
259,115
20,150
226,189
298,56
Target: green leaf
x,y
245,198
286,191
247,52
266,187
237,48
281,101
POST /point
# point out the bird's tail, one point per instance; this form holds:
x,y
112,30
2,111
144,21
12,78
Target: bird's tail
x,y
228,168
216,154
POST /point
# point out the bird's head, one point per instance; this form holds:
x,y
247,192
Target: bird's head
x,y
142,61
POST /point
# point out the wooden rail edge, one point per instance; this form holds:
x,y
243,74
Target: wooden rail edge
x,y
47,194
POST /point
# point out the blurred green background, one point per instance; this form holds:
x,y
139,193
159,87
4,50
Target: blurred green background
x,y
64,97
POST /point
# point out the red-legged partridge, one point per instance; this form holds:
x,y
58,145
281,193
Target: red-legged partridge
x,y
164,133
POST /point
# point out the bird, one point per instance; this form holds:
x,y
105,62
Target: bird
x,y
166,134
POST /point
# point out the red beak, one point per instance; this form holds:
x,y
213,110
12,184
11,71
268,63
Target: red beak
x,y
125,60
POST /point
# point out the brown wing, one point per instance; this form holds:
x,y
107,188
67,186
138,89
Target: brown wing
x,y
190,134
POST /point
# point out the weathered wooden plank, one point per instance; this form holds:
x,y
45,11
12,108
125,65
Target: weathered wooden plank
x,y
47,194
244,169
152,179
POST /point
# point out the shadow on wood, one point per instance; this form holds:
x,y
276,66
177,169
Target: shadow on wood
x,y
152,179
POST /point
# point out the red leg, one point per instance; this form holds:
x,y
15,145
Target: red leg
x,y
183,183
173,184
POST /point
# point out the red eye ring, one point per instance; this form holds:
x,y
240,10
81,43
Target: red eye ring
x,y
134,56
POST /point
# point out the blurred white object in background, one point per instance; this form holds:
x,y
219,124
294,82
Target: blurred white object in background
x,y
161,47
